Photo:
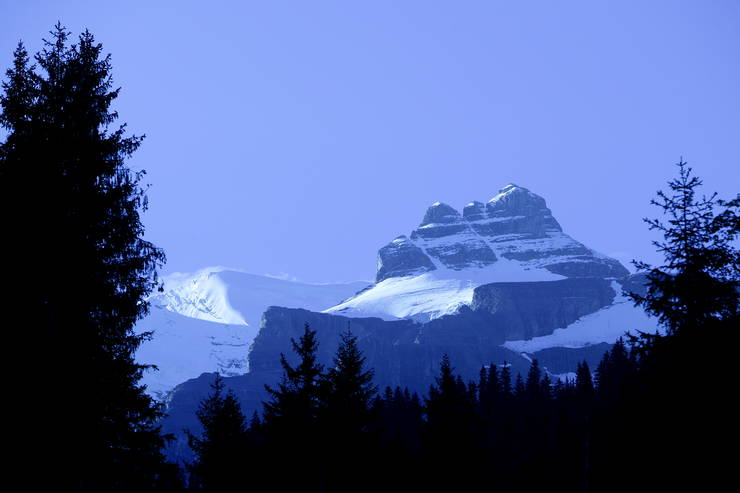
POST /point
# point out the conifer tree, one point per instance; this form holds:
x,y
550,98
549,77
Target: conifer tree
x,y
452,429
72,208
519,388
347,390
489,390
584,381
346,415
699,279
546,387
694,295
221,447
506,388
449,409
290,426
533,386
294,403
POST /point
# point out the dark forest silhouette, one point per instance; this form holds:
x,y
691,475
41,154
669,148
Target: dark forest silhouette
x,y
648,418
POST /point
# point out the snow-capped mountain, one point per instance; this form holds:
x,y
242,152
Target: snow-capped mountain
x,y
206,321
512,238
500,283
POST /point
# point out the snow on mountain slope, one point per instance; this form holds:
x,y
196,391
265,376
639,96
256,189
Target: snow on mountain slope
x,y
228,296
203,295
206,321
606,325
183,348
512,238
433,294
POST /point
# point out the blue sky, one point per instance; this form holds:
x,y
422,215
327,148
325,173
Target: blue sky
x,y
296,138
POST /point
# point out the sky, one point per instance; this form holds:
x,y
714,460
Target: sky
x,y
295,138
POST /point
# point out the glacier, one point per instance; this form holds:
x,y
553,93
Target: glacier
x,y
206,321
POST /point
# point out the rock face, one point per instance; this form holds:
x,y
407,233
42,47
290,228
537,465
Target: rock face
x,y
515,211
523,310
446,237
401,258
515,224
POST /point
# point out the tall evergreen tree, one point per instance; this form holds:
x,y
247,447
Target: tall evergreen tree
x,y
506,388
290,426
348,390
452,429
221,446
584,381
533,385
293,405
82,267
346,416
699,280
694,295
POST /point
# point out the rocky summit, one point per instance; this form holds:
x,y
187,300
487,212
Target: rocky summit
x,y
511,238
514,225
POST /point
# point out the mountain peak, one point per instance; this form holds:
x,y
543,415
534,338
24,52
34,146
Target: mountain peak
x,y
507,190
514,226
440,213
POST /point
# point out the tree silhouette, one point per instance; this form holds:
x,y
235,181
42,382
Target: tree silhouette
x,y
291,417
346,416
656,406
699,279
452,428
294,403
220,449
348,391
72,209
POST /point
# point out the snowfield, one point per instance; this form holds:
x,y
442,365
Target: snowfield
x,y
183,348
434,294
206,321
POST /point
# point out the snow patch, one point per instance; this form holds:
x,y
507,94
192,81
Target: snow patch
x,y
433,294
206,321
606,325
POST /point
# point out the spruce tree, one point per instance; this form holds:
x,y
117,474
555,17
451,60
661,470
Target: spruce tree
x,y
584,382
699,279
533,385
506,388
452,430
519,389
346,416
348,390
448,403
220,449
694,296
290,420
293,405
72,211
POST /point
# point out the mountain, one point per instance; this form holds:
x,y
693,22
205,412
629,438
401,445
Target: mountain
x,y
500,283
205,321
512,238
